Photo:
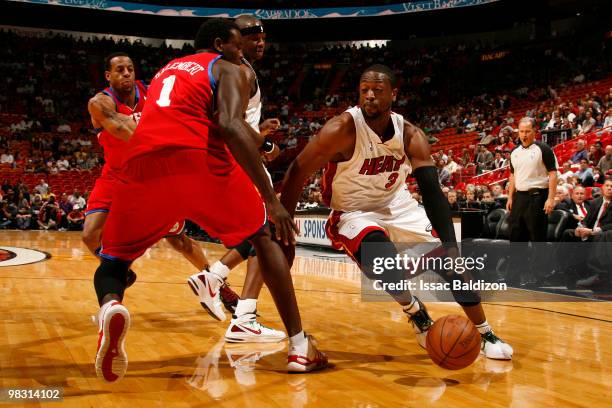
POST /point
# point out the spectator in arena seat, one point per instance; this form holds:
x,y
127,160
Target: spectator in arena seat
x,y
442,156
580,152
488,203
452,200
52,167
37,204
42,188
567,172
605,163
64,204
48,216
599,121
497,191
465,156
506,143
561,196
312,201
484,158
291,142
6,216
443,175
451,165
577,206
595,153
76,198
597,227
76,218
587,124
64,128
499,160
488,139
63,164
470,200
7,158
585,174
608,118
24,213
6,185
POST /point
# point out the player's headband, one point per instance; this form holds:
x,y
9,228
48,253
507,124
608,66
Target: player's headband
x,y
256,29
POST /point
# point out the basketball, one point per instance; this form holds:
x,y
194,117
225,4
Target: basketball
x,y
453,342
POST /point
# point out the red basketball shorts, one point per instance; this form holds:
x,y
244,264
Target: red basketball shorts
x,y
101,196
156,189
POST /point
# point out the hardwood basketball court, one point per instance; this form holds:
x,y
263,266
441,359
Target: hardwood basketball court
x,y
177,356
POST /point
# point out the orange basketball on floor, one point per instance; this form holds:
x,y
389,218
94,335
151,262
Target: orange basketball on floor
x,y
453,342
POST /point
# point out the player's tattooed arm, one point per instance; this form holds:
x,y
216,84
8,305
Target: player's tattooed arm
x,y
103,114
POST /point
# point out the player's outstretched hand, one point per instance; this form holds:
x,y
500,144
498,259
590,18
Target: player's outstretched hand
x,y
284,225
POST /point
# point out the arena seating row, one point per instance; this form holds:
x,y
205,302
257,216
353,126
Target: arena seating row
x,y
63,182
496,226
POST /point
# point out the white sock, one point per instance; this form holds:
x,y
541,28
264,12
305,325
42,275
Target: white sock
x,y
299,343
245,306
483,327
413,307
220,270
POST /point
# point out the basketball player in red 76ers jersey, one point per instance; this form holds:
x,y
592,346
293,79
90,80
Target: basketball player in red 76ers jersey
x,y
115,112
193,143
366,150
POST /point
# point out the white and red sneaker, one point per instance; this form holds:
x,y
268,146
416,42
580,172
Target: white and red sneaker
x,y
246,329
311,361
111,358
206,286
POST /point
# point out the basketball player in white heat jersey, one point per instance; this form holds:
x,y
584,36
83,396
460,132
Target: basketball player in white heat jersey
x,y
244,327
367,150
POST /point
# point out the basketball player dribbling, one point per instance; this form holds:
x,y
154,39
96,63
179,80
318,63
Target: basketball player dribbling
x,y
244,326
115,112
193,143
366,150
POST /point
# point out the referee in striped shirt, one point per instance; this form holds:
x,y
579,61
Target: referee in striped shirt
x,y
533,184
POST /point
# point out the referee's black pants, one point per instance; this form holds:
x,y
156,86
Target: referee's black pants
x,y
528,221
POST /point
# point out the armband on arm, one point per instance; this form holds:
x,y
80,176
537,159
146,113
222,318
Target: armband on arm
x,y
267,146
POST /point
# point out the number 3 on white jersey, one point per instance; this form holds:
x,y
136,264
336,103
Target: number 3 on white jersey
x,y
164,95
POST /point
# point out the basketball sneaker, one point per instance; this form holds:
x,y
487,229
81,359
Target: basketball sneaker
x,y
229,297
421,322
246,329
111,358
206,286
494,347
311,361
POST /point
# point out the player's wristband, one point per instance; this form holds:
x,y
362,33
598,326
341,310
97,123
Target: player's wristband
x,y
267,146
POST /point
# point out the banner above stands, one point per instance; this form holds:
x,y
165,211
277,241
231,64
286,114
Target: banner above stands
x,y
265,14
